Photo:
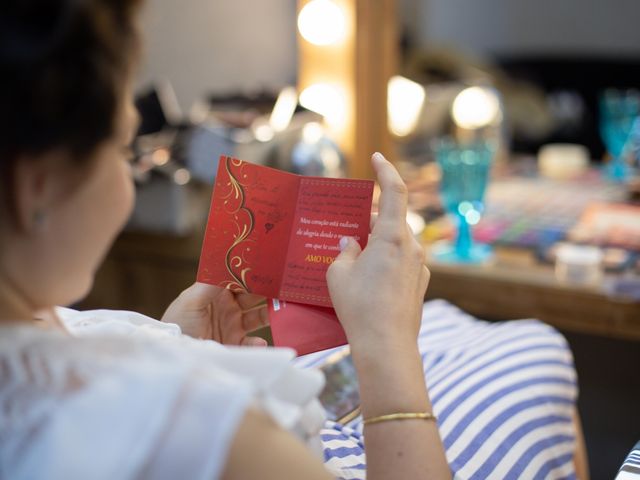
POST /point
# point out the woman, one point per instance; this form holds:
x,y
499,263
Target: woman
x,y
157,404
67,192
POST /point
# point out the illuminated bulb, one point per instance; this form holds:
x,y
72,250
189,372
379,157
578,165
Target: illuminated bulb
x,y
312,132
327,100
476,107
181,176
322,22
284,109
404,104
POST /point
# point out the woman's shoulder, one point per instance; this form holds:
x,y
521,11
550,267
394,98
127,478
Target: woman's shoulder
x,y
78,406
125,402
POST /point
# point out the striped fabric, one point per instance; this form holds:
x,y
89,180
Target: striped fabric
x,y
504,395
630,469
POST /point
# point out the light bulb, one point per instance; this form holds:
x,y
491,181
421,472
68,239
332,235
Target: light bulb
x,y
312,132
322,22
263,132
404,104
475,107
327,100
284,109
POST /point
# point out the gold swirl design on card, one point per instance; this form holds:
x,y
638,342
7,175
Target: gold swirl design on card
x,y
235,260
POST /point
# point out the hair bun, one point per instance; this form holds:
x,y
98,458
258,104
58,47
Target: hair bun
x,y
30,29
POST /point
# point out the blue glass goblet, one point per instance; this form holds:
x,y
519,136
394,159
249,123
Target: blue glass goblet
x,y
618,111
465,174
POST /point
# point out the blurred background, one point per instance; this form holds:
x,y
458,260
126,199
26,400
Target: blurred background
x,y
514,124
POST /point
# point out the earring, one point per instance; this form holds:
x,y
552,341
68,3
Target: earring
x,y
39,219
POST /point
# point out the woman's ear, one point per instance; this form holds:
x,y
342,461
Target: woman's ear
x,y
37,182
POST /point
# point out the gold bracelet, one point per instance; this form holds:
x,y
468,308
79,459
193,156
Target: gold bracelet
x,y
400,416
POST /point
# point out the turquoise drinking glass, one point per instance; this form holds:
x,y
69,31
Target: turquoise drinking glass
x,y
618,111
465,174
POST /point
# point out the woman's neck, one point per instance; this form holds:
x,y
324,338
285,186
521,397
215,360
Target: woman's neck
x,y
14,306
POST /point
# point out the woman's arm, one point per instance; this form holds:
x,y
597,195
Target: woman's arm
x,y
263,451
392,380
378,294
580,458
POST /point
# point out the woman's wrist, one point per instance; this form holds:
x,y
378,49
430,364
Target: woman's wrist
x,y
392,361
377,346
382,374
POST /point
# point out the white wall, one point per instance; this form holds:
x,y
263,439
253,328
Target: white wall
x,y
485,27
206,46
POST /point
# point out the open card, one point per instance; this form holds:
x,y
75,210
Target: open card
x,y
275,234
305,328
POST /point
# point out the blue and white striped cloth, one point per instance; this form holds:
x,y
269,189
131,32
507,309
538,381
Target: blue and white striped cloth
x,y
504,394
630,469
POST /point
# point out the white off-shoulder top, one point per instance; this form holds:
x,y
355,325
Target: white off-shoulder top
x,y
124,396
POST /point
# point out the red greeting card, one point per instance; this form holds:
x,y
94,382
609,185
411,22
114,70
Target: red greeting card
x,y
275,234
305,328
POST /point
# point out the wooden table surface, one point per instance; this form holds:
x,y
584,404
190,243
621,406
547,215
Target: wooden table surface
x,y
515,285
145,272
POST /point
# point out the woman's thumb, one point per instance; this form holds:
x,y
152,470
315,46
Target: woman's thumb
x,y
349,249
339,270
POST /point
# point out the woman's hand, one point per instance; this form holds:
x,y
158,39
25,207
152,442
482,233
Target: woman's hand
x,y
214,313
378,293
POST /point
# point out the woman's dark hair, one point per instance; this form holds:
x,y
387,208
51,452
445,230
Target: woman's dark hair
x,y
64,65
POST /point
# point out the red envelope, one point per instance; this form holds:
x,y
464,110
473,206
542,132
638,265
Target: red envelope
x,y
275,234
304,328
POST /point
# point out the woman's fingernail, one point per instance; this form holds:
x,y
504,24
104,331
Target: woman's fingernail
x,y
378,156
344,241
